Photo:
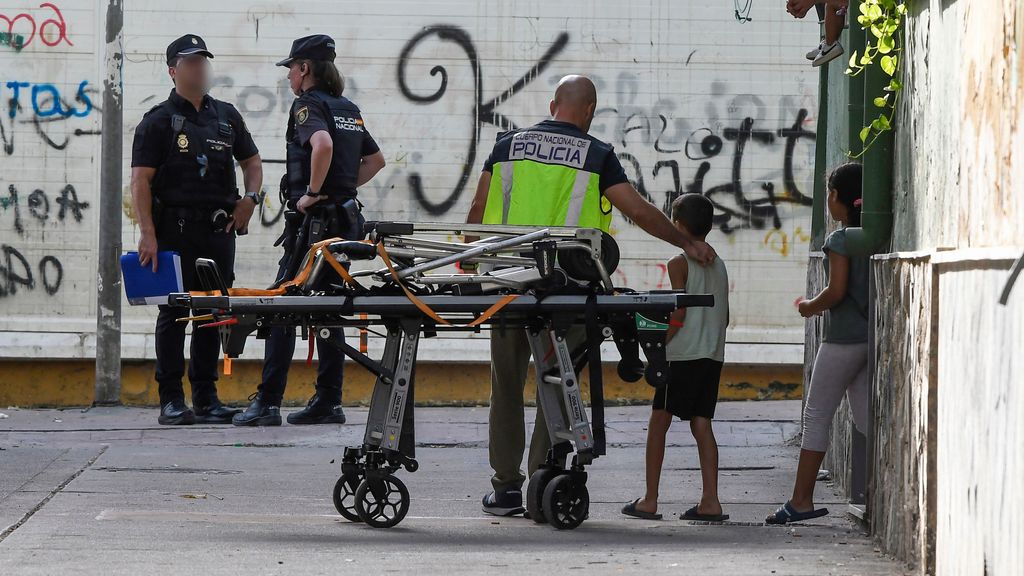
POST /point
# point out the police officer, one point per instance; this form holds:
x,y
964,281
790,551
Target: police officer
x,y
186,200
329,154
550,174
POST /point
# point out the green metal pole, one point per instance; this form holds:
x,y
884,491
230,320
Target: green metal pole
x,y
856,92
820,159
876,214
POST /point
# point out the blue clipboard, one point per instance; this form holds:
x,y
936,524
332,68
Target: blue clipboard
x,y
142,286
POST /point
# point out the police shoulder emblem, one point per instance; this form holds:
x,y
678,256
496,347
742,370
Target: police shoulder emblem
x,y
182,141
301,114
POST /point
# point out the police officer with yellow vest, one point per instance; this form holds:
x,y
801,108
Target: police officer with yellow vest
x,y
550,174
186,200
330,154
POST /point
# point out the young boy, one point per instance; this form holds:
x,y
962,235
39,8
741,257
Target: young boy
x,y
695,349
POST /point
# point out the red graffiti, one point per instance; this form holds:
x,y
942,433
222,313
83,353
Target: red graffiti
x,y
19,40
661,279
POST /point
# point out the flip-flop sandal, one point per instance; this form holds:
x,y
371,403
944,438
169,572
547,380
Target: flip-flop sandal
x,y
630,510
786,513
692,514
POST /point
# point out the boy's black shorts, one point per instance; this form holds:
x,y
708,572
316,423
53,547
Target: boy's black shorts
x,y
692,389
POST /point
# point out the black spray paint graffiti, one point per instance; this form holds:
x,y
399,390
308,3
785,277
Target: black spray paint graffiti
x,y
38,206
483,112
735,209
15,272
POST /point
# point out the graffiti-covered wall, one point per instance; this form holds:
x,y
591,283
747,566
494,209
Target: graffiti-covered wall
x,y
695,96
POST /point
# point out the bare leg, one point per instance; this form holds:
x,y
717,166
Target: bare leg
x,y
707,450
833,25
657,429
806,477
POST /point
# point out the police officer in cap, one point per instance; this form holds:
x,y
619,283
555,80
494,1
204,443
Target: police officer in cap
x,y
186,200
330,154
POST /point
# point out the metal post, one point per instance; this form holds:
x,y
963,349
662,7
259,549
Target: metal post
x,y
108,287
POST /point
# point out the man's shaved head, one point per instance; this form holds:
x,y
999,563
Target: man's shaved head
x,y
575,101
575,91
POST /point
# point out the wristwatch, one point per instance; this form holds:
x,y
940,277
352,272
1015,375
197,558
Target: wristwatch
x,y
311,194
256,197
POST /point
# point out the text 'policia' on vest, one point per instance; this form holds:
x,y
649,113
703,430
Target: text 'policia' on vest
x,y
532,165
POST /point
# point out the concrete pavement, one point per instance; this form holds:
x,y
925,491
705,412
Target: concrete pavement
x,y
109,491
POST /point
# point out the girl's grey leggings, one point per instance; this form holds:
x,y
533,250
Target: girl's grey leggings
x,y
838,369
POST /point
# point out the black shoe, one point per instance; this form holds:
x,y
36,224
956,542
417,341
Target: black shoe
x,y
318,412
176,413
259,413
213,412
508,502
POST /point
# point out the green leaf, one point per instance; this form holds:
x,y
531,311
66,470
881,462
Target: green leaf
x,y
883,121
853,59
885,44
881,101
876,31
888,64
865,60
864,134
874,12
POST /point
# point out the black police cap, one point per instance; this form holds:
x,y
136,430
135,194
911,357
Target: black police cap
x,y
315,47
187,45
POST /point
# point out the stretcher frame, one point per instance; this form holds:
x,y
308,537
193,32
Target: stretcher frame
x,y
541,280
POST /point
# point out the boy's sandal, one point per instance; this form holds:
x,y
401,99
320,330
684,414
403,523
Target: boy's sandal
x,y
631,510
786,513
692,514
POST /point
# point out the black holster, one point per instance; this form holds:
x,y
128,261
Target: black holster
x,y
301,231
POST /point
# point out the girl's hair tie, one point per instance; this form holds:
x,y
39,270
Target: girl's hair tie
x,y
858,202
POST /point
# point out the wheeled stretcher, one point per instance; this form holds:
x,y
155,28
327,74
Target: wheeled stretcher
x,y
545,281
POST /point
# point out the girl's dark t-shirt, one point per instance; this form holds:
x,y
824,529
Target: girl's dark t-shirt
x,y
847,322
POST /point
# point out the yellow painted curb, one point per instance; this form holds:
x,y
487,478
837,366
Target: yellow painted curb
x,y
54,383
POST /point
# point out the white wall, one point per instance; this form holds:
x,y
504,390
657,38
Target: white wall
x,y
677,84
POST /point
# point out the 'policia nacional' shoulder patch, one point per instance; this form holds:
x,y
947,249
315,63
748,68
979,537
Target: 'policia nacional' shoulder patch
x,y
301,114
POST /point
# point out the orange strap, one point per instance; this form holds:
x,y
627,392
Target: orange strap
x,y
309,355
333,262
493,310
300,278
412,297
347,277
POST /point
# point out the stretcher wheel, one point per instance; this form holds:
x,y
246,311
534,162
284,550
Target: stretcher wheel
x,y
345,496
566,502
535,493
630,370
656,375
382,502
580,265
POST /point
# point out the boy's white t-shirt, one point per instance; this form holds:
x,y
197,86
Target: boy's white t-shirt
x,y
703,331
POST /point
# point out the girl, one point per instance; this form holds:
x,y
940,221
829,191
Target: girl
x,y
841,365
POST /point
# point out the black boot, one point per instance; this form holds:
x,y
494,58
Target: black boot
x,y
213,411
318,412
259,413
175,412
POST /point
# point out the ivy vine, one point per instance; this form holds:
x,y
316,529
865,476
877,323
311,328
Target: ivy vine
x,y
884,20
